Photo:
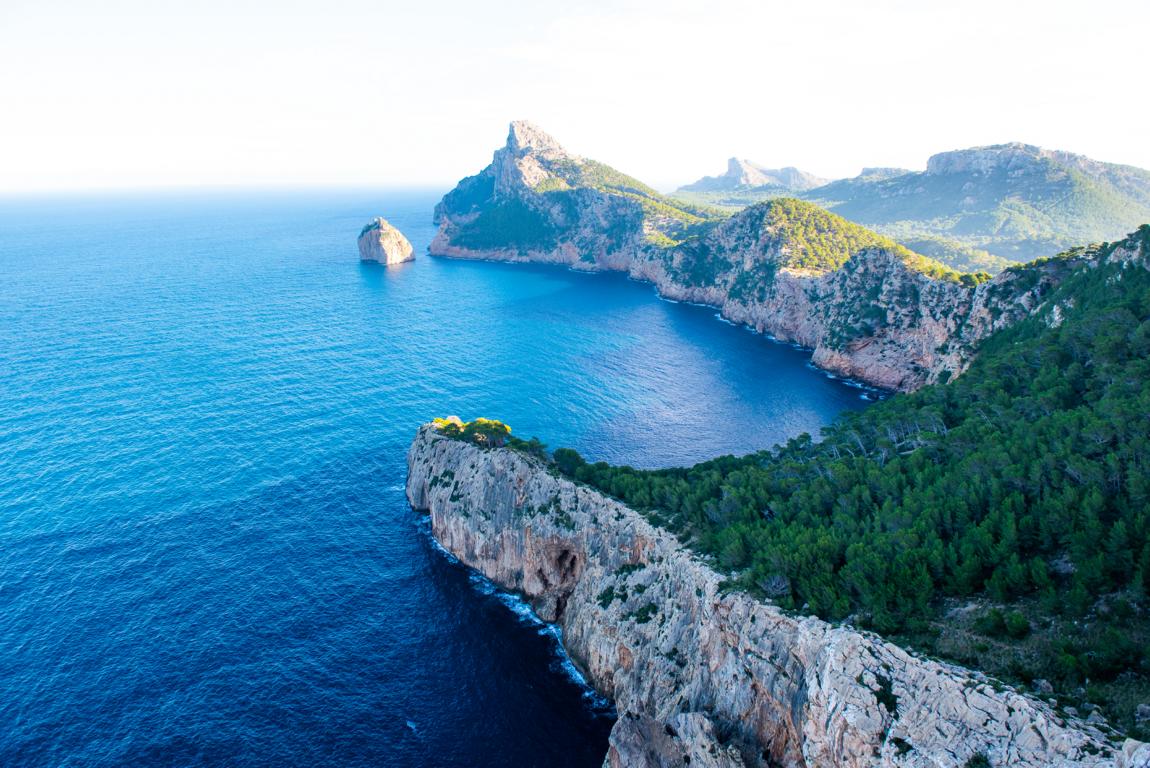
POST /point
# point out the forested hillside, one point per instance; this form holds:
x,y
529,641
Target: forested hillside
x,y
1002,519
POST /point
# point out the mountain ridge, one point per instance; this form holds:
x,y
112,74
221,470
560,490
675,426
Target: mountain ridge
x,y
867,307
982,207
744,174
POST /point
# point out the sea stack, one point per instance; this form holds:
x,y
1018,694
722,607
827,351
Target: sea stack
x,y
381,242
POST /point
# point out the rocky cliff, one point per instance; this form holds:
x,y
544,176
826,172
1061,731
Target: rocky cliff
x,y
719,678
379,241
867,307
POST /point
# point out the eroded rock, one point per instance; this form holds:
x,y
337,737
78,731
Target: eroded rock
x,y
380,241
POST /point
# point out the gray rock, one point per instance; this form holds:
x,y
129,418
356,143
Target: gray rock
x,y
639,741
1135,754
379,241
1042,686
647,623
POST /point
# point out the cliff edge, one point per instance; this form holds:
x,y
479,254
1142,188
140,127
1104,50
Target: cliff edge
x,y
721,678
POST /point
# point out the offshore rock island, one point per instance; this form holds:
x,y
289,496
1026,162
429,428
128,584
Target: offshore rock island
x,y
702,676
379,241
869,308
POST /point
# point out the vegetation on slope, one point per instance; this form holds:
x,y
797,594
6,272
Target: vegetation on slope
x,y
1017,211
509,222
1002,519
801,235
489,433
977,217
530,220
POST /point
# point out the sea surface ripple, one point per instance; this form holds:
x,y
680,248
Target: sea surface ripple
x,y
206,556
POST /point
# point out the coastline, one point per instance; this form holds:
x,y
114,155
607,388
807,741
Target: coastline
x,y
650,624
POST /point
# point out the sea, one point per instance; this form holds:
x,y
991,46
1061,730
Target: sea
x,y
206,400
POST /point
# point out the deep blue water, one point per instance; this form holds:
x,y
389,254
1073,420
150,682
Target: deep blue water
x,y
206,556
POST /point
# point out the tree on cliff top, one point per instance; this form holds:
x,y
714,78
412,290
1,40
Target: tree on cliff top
x,y
484,432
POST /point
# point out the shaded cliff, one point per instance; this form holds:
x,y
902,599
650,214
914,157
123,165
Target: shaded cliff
x,y
867,307
724,678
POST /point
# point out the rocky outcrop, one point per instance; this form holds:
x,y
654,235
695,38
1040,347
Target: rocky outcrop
x,y
874,312
721,678
1014,156
379,241
743,174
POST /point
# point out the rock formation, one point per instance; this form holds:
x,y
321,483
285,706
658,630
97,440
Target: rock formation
x,y
867,307
720,678
379,241
743,174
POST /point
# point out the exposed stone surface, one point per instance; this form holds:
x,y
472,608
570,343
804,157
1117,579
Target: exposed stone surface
x,y
877,318
379,241
638,741
1014,156
697,672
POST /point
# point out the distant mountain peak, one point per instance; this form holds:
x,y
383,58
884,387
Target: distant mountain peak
x,y
743,174
1010,156
881,172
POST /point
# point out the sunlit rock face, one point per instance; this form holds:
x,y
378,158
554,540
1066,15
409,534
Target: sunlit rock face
x,y
724,679
381,242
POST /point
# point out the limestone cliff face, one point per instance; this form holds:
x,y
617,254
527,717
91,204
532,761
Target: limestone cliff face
x,y
879,314
724,679
380,241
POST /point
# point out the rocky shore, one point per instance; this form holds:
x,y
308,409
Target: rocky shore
x,y
702,676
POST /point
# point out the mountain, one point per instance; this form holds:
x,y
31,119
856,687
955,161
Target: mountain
x,y
745,175
746,183
1015,201
536,201
867,307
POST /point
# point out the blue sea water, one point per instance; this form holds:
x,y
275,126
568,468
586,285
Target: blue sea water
x,y
206,556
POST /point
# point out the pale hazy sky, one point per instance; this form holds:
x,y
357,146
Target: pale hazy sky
x,y
100,93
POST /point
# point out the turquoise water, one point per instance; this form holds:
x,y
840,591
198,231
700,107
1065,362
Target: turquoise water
x,y
206,556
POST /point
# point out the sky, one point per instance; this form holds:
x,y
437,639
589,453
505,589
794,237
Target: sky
x,y
145,93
